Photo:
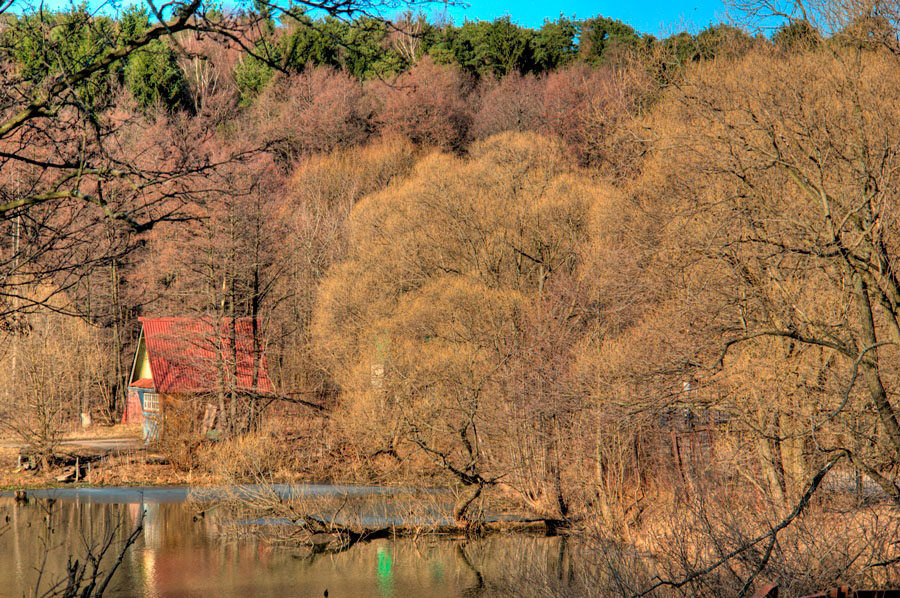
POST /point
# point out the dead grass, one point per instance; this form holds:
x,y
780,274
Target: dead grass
x,y
250,457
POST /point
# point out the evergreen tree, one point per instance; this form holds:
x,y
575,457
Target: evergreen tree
x,y
252,74
554,45
796,35
311,42
602,37
482,47
154,78
366,52
47,44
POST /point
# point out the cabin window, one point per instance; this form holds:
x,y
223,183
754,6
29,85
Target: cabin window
x,y
151,401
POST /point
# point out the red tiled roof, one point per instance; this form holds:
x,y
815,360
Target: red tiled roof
x,y
186,354
143,383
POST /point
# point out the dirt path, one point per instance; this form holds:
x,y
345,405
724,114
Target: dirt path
x,y
105,445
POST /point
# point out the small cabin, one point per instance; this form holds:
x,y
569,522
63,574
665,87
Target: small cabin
x,y
180,357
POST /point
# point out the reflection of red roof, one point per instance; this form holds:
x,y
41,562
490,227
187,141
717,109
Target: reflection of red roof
x,y
190,355
143,383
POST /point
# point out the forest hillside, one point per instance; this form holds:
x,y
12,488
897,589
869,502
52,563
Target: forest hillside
x,y
638,285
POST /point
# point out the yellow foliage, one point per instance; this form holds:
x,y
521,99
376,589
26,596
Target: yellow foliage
x,y
324,188
419,319
774,187
504,219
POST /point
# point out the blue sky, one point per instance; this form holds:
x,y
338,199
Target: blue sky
x,y
648,16
657,17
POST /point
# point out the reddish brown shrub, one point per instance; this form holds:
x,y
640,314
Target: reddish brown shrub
x,y
316,111
427,105
586,107
513,103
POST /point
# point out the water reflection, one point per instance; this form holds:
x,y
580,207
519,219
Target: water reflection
x,y
180,555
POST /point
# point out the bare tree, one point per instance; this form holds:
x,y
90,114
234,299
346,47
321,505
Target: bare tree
x,y
53,370
789,217
72,161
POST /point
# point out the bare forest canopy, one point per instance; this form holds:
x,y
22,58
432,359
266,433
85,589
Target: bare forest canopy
x,y
583,271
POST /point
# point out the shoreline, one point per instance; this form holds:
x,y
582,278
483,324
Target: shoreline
x,y
217,492
381,511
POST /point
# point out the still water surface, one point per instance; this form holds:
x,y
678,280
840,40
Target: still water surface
x,y
178,555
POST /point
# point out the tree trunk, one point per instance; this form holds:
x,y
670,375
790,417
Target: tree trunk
x,y
869,364
769,462
460,510
793,464
121,383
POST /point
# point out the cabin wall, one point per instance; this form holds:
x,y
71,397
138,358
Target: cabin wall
x,y
144,406
134,412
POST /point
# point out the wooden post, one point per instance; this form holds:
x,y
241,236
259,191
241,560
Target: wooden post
x,y
209,419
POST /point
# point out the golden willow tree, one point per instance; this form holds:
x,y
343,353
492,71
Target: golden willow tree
x,y
450,296
777,176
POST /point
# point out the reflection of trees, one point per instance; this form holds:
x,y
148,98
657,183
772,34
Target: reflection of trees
x,y
175,553
517,565
70,560
563,570
477,589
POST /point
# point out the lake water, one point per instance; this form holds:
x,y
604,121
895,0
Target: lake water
x,y
178,555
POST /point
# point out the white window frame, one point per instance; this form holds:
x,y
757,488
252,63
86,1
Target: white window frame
x,y
151,401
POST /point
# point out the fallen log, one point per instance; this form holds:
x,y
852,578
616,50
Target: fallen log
x,y
329,536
